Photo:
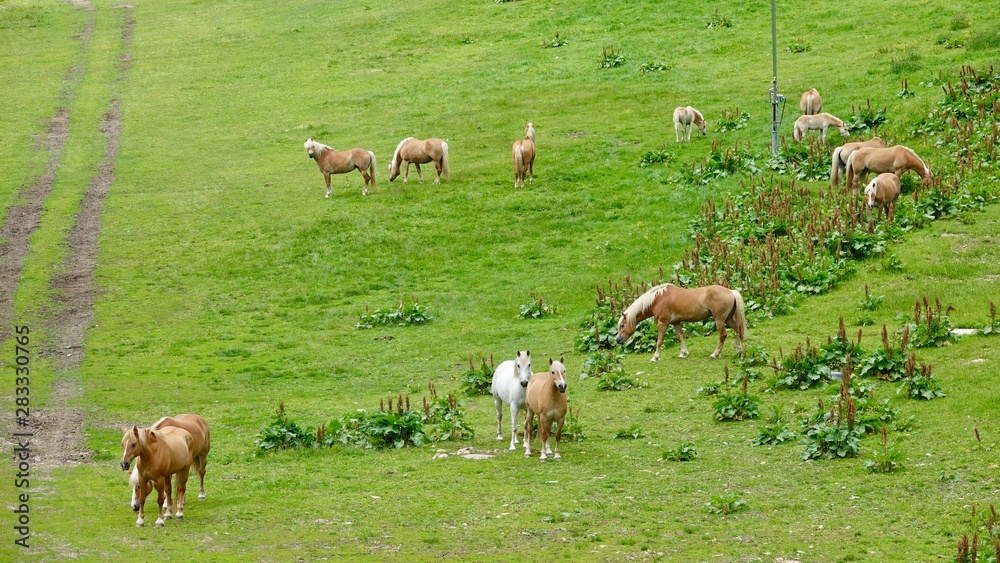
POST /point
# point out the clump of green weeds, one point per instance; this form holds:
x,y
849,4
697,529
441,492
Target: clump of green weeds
x,y
736,405
931,326
404,314
726,504
715,21
887,458
652,67
444,418
556,41
659,156
682,452
798,45
835,435
919,385
732,120
904,91
774,431
478,381
611,58
985,535
802,369
992,327
572,430
283,433
619,381
960,21
865,117
536,308
633,432
602,362
887,362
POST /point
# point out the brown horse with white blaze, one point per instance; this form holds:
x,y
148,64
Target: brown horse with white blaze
x,y
523,154
811,102
897,159
838,162
672,305
416,151
546,397
201,443
882,192
161,454
342,162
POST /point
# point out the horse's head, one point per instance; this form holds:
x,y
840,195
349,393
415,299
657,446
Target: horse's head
x,y
311,148
844,130
624,330
529,131
522,367
131,445
558,371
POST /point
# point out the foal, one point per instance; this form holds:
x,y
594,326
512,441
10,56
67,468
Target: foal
x,y
524,157
883,192
546,397
821,121
685,119
811,103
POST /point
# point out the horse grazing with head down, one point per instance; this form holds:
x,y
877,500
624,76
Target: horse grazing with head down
x,y
811,103
201,443
510,380
883,191
897,159
413,150
672,305
821,121
161,454
546,397
342,162
686,119
838,162
524,157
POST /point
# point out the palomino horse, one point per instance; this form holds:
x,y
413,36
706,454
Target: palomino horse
x,y
342,162
821,121
161,454
685,118
546,397
811,103
524,157
672,305
419,152
840,155
201,442
509,382
896,159
883,192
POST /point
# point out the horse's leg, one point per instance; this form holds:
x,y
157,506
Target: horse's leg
x,y
181,497
420,177
439,168
326,176
143,493
162,496
528,415
513,425
531,170
498,404
720,326
677,132
661,328
406,171
202,465
366,178
680,338
559,427
544,426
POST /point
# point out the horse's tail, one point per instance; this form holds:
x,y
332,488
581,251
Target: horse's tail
x,y
372,167
850,169
835,168
739,316
444,159
519,159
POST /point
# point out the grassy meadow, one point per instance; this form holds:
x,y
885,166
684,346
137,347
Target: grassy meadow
x,y
226,283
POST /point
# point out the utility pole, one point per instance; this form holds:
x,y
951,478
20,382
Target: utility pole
x,y
776,98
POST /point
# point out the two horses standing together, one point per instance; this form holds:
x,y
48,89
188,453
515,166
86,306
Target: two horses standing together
x,y
409,151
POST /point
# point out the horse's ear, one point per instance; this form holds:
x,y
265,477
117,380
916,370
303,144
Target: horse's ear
x,y
562,359
527,353
135,430
550,361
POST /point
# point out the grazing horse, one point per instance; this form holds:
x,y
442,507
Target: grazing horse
x,y
883,191
897,159
161,454
524,157
843,152
546,397
419,152
201,442
509,382
672,305
811,103
685,118
821,121
342,162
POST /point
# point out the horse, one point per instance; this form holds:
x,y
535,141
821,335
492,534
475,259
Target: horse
x,y
509,382
342,162
524,157
672,305
811,103
821,121
201,443
883,191
546,397
684,120
843,152
897,159
419,152
161,454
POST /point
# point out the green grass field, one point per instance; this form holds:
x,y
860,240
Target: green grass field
x,y
226,283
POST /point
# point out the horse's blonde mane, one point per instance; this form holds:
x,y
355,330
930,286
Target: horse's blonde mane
x,y
399,147
697,116
920,160
316,146
643,303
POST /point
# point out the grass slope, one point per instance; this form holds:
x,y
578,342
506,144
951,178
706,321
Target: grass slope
x,y
227,283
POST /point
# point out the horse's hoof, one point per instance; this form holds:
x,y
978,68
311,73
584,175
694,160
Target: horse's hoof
x,y
179,516
527,454
159,523
683,355
543,459
328,196
201,496
655,359
557,456
714,356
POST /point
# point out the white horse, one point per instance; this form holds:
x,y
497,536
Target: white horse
x,y
821,121
510,381
685,118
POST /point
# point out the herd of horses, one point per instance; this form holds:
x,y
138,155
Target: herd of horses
x,y
173,445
